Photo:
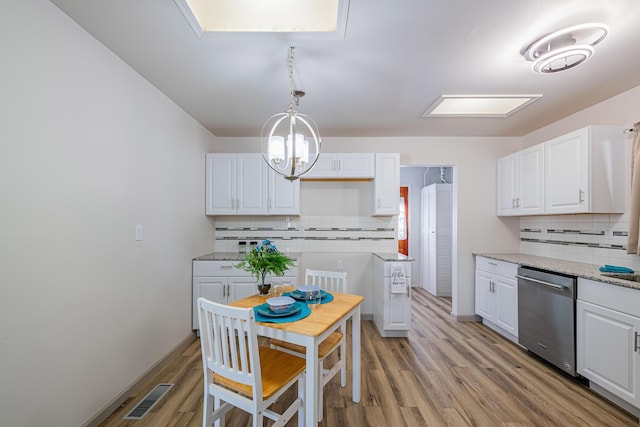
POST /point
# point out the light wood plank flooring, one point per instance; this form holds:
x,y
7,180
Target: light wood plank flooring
x,y
445,374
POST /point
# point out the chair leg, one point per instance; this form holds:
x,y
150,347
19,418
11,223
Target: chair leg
x,y
207,410
258,419
301,395
220,422
321,392
343,362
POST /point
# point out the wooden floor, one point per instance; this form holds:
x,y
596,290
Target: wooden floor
x,y
445,374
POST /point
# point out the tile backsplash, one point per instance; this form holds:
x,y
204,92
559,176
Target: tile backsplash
x,y
595,239
309,233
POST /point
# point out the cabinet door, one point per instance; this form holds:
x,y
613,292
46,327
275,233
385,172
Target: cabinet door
x,y
530,193
356,165
606,349
387,184
484,295
211,288
397,308
566,169
284,195
506,179
325,167
251,184
241,287
220,184
506,304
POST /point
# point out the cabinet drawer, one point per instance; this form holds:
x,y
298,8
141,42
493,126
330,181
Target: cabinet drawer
x,y
217,268
494,266
619,298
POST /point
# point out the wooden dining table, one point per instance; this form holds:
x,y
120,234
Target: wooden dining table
x,y
310,332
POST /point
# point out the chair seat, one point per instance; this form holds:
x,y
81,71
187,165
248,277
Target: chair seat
x,y
324,348
277,368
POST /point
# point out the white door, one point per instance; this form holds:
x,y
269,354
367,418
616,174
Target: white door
x,y
506,178
566,162
606,349
397,308
211,288
356,165
506,303
325,167
284,195
251,184
241,287
424,238
530,199
387,184
220,184
484,295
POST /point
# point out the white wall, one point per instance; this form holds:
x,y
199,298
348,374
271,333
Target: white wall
x,y
479,229
88,149
623,110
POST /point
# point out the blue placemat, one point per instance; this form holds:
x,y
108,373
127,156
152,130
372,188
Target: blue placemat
x,y
304,312
326,297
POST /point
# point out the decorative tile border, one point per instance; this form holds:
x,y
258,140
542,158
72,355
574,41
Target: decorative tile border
x,y
574,232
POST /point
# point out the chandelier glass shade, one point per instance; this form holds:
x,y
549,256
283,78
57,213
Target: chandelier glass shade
x,y
290,141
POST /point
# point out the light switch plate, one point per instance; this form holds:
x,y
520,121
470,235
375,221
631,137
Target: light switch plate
x,y
138,232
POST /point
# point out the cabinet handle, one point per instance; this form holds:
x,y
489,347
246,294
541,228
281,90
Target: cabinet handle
x,y
339,164
493,263
581,195
517,202
226,266
635,342
513,202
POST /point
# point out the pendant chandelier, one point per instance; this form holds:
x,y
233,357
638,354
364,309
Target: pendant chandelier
x,y
290,141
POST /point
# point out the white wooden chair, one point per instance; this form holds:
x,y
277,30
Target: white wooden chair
x,y
237,372
330,281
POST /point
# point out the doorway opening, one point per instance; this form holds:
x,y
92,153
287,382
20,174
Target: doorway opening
x,y
427,269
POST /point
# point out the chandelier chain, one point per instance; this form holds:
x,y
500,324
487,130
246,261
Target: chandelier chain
x,y
294,98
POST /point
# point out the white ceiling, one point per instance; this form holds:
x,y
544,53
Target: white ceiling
x,y
397,58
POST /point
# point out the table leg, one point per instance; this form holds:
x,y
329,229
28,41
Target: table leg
x,y
355,363
312,384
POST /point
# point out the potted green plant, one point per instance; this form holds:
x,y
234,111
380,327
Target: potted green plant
x,y
262,260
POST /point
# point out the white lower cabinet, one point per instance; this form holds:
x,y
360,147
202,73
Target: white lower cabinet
x,y
392,311
221,282
607,338
496,296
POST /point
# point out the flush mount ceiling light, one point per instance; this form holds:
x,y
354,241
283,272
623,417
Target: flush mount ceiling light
x,y
290,141
565,48
478,105
324,19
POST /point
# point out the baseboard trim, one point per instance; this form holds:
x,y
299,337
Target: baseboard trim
x,y
466,317
115,403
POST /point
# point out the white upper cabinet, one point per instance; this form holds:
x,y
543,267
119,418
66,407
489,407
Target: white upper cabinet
x,y
584,171
387,184
283,195
243,184
520,178
580,172
343,165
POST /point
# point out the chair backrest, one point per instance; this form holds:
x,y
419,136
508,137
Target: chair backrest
x,y
332,281
229,344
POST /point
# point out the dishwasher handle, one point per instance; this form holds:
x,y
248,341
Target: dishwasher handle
x,y
542,282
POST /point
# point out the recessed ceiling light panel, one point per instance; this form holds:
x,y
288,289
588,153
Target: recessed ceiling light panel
x,y
566,48
479,105
310,18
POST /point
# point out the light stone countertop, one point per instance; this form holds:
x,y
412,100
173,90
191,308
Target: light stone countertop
x,y
391,256
235,256
579,269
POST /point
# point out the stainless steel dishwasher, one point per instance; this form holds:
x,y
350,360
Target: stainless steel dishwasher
x,y
546,316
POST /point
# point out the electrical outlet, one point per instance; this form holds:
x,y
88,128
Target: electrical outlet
x,y
608,233
340,266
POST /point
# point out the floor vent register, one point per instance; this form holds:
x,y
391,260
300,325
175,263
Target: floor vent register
x,y
148,402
